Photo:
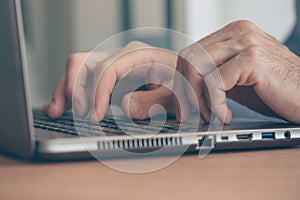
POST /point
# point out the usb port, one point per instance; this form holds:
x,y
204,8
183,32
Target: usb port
x,y
268,135
244,136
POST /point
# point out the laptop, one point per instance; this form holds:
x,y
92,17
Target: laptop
x,y
29,133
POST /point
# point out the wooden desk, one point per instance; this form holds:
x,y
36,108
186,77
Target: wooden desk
x,y
267,174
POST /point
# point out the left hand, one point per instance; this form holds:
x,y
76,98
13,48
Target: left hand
x,y
80,88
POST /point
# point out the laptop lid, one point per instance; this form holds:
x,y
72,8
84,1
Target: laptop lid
x,y
16,117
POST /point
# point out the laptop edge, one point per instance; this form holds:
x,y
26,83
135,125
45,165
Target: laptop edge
x,y
16,116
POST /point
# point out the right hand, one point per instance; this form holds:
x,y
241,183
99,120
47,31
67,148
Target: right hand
x,y
249,66
80,85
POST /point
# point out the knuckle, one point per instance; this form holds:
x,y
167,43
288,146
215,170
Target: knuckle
x,y
74,57
181,63
136,43
249,39
187,58
254,52
182,56
189,53
243,25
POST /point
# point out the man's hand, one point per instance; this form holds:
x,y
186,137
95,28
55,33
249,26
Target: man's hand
x,y
90,78
252,68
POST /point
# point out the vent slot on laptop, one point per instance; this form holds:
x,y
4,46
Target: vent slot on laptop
x,y
139,143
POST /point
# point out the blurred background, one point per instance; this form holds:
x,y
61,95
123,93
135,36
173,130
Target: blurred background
x,y
56,28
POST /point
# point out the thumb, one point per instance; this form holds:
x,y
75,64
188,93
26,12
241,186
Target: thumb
x,y
137,105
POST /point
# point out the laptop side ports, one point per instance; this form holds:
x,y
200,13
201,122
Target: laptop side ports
x,y
244,136
206,142
268,135
225,138
287,135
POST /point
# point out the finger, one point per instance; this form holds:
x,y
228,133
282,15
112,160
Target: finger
x,y
118,66
80,99
102,91
238,72
76,90
183,108
140,105
196,63
152,59
222,52
73,65
108,78
214,52
76,78
216,97
78,68
57,106
194,86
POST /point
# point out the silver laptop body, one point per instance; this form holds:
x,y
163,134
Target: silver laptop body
x,y
24,136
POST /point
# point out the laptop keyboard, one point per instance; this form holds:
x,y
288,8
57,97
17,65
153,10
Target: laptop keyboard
x,y
107,127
